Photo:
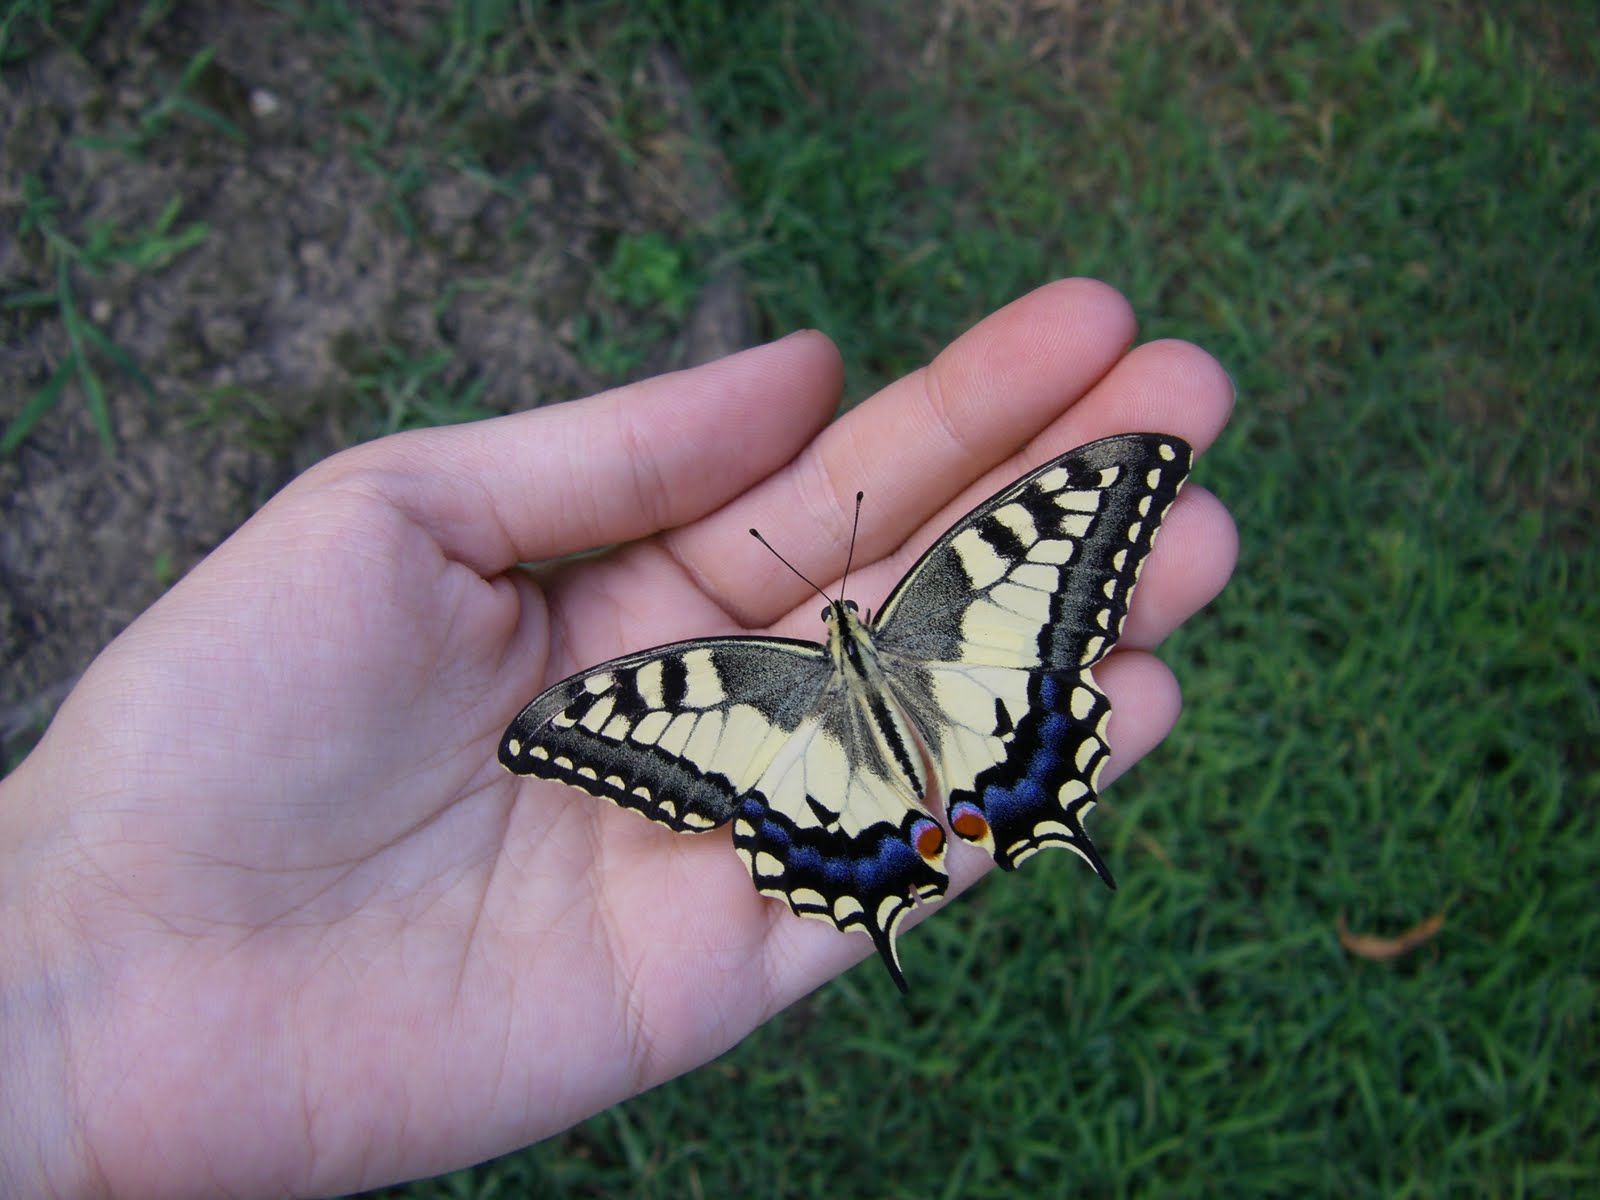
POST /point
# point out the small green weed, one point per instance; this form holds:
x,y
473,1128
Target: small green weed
x,y
645,291
407,390
158,120
64,259
650,273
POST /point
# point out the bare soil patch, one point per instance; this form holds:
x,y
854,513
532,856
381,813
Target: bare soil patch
x,y
341,259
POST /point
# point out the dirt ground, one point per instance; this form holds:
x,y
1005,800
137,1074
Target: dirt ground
x,y
352,269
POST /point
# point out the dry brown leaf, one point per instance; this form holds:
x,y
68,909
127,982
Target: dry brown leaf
x,y
1381,949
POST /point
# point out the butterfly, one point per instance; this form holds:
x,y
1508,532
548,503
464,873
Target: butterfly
x,y
972,685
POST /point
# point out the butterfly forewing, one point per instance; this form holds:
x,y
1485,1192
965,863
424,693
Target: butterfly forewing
x,y
678,733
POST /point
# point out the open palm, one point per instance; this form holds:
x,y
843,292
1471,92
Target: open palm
x,y
319,940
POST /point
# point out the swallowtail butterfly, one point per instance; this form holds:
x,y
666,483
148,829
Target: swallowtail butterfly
x,y
973,685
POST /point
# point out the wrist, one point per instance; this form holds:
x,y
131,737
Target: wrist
x,y
44,984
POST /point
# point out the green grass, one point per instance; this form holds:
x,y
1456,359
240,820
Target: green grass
x,y
1387,231
177,104
64,260
1386,228
406,391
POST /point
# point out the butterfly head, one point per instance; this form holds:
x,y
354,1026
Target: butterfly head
x,y
841,610
849,629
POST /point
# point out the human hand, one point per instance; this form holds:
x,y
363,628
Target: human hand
x,y
275,920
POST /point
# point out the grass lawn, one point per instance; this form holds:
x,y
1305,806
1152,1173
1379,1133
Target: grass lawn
x,y
1387,226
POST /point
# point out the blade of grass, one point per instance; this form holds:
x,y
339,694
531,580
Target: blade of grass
x,y
93,333
41,402
94,393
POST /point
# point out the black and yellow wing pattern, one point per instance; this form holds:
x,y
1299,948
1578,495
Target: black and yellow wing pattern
x,y
971,691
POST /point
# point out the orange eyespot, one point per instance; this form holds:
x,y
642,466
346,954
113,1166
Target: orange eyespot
x,y
929,840
969,823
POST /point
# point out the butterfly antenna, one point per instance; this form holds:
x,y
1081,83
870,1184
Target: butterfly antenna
x,y
851,557
756,534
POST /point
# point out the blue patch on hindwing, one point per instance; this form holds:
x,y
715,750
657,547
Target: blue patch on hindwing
x,y
879,863
1047,742
1023,792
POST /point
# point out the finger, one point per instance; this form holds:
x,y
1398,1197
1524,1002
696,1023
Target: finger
x,y
912,447
1166,386
610,468
1195,554
1146,702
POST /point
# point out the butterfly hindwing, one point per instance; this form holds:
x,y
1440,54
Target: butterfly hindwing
x,y
836,826
992,636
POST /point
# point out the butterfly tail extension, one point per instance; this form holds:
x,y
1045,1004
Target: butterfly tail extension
x,y
1039,792
884,940
867,880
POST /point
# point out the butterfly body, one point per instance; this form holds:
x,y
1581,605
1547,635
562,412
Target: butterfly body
x,y
970,690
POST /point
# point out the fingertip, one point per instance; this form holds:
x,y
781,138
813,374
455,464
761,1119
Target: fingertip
x,y
1196,552
817,344
1042,351
775,398
1082,295
1212,537
736,394
1175,386
1081,299
1146,701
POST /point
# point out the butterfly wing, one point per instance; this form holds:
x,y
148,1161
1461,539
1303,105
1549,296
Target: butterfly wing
x,y
991,639
765,732
678,733
836,826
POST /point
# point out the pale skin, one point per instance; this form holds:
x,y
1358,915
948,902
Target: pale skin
x,y
274,921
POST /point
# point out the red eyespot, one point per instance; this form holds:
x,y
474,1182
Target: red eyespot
x,y
928,839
